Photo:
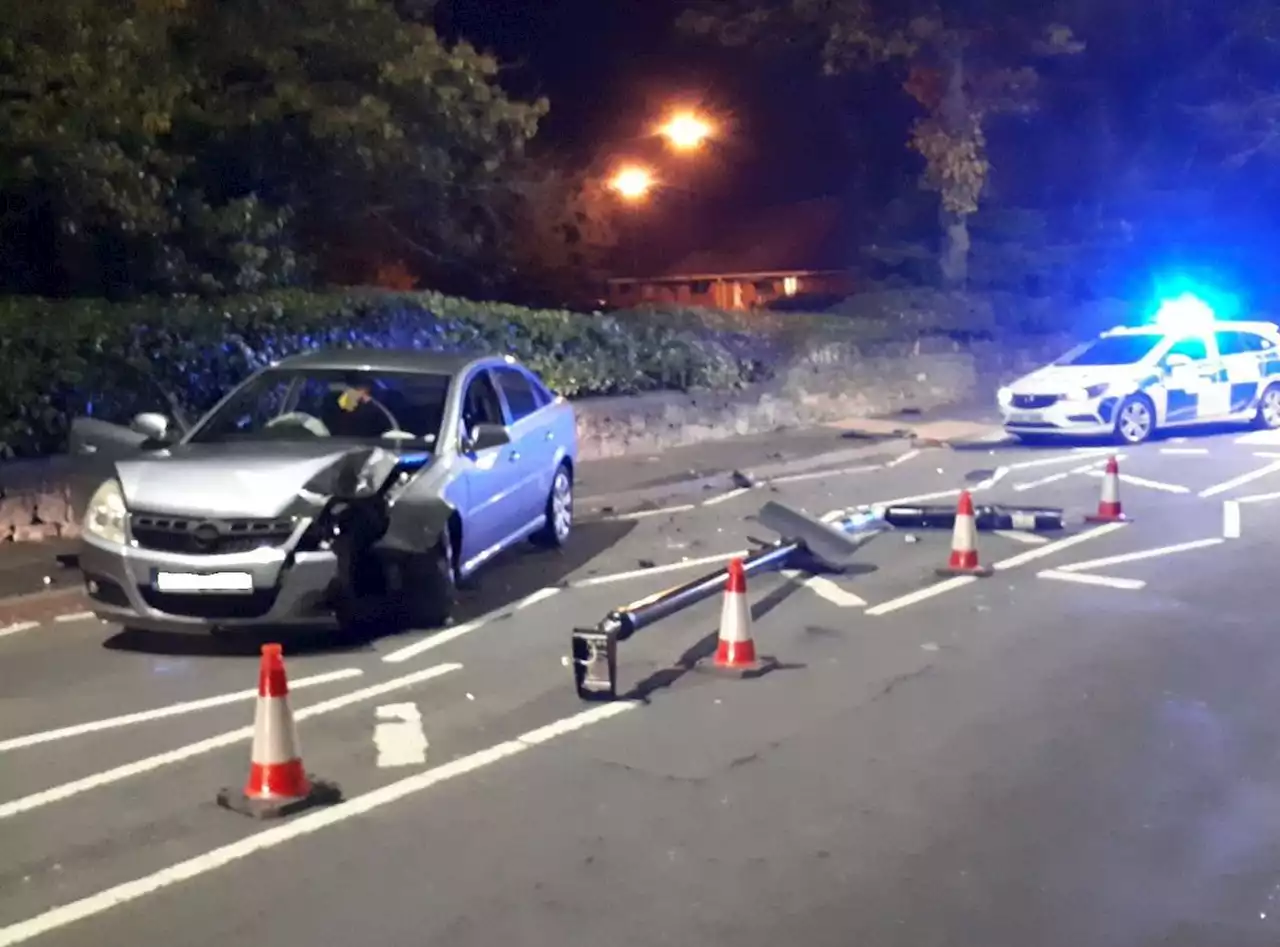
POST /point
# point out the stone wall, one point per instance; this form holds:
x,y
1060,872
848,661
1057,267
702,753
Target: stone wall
x,y
834,383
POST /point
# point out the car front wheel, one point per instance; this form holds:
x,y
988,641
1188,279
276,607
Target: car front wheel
x,y
1269,409
1135,420
559,511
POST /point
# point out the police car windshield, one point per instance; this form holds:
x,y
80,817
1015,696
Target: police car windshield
x,y
1112,350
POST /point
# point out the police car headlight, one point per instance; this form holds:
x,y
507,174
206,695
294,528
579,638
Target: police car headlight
x,y
104,517
1004,397
1085,394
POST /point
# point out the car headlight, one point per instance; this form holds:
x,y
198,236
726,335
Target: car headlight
x,y
1004,397
1085,394
104,517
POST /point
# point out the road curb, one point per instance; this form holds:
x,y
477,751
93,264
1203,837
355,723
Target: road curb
x,y
41,607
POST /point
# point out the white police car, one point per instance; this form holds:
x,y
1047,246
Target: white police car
x,y
1186,368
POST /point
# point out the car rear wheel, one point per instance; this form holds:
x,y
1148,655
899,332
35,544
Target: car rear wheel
x,y
1135,420
559,511
1268,415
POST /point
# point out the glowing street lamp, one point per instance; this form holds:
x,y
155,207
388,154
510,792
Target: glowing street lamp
x,y
632,183
686,131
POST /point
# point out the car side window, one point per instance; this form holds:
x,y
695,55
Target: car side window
x,y
1191,347
1234,343
481,404
522,401
1258,343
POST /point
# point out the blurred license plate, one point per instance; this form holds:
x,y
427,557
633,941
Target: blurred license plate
x,y
1024,417
203,582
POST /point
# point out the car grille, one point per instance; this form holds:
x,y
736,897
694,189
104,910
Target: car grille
x,y
210,606
207,537
1034,401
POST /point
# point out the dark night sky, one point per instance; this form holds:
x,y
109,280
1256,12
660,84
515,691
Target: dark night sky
x,y
609,67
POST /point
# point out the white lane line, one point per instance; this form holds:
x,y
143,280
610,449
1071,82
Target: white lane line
x,y
920,595
75,616
999,474
162,713
230,738
1103,580
1260,438
18,628
1258,497
824,588
1230,519
399,737
1030,539
724,497
1241,480
657,570
1184,450
1266,455
645,514
903,458
1071,458
1042,482
819,474
1144,482
302,825
440,638
1139,556
1031,555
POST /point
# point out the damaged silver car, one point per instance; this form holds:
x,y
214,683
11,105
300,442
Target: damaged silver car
x,y
352,485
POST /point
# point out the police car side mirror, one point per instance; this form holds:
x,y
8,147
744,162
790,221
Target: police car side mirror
x,y
1173,362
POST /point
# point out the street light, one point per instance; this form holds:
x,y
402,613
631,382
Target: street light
x,y
686,131
632,183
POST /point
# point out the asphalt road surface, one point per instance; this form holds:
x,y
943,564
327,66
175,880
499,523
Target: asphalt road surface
x,y
1081,749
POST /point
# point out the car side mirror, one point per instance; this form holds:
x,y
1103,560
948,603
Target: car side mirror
x,y
1174,362
153,426
487,436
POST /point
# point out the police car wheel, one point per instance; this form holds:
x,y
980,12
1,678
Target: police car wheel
x,y
1135,420
1269,408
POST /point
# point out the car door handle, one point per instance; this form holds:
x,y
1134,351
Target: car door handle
x,y
515,455
88,449
551,435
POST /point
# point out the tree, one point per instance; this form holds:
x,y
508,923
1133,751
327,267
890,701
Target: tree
x,y
217,145
956,60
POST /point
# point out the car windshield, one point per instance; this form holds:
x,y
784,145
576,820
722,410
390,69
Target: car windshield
x,y
295,404
1112,350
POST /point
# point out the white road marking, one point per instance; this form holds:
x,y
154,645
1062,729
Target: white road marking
x,y
303,825
1258,497
75,616
1030,539
230,738
1138,556
1241,480
1260,438
920,595
999,474
1031,555
161,713
724,497
1184,450
399,737
17,628
657,570
824,588
1102,580
1144,482
645,514
903,458
1268,455
1230,519
1057,459
1043,481
819,474
440,638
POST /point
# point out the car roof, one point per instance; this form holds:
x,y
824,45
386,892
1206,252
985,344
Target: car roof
x,y
390,360
1221,326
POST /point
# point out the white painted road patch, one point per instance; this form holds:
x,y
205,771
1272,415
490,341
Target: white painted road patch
x,y
399,736
1083,578
1230,519
308,824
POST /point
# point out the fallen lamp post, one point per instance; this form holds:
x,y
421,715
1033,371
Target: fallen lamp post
x,y
807,542
987,518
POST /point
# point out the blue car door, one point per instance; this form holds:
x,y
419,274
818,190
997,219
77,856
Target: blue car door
x,y
493,507
535,440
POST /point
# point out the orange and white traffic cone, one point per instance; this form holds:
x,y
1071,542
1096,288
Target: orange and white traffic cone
x,y
278,785
1109,510
736,650
964,542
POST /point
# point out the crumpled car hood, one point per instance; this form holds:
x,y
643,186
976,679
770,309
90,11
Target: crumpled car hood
x,y
250,480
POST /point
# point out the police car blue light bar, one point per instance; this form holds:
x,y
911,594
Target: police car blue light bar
x,y
1185,313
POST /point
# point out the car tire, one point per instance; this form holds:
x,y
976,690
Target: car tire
x,y
559,511
1131,428
430,587
1268,416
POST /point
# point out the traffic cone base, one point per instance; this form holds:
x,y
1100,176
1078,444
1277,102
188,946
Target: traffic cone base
x,y
278,785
